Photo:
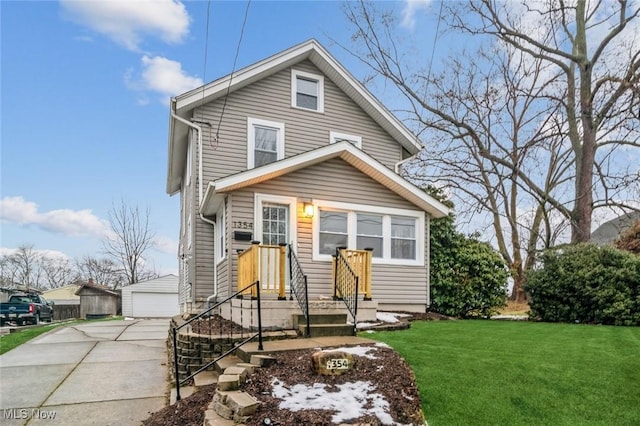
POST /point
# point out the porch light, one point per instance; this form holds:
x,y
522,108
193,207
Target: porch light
x,y
308,210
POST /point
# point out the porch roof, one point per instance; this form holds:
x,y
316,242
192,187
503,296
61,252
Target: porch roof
x,y
344,150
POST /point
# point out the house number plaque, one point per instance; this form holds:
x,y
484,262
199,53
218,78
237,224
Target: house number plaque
x,y
337,364
242,225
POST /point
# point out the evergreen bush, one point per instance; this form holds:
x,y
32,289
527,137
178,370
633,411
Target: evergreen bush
x,y
585,283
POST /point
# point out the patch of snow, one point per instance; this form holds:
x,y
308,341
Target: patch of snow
x,y
365,325
356,350
348,402
382,345
390,317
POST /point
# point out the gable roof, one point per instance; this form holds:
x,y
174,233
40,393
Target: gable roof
x,y
609,231
311,50
344,150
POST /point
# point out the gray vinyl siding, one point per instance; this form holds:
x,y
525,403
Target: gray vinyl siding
x,y
392,283
224,155
270,99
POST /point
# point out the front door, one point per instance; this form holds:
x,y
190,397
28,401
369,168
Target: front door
x,y
275,224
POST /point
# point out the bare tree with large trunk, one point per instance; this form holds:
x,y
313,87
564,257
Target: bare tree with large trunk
x,y
500,129
130,238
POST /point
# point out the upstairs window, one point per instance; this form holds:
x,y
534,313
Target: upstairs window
x,y
266,142
307,91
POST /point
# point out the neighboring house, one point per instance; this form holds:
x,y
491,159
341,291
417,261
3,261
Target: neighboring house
x,y
66,301
63,295
608,232
97,301
156,298
294,150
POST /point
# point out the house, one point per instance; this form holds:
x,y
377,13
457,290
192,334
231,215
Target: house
x,y
292,155
66,301
97,301
156,298
608,232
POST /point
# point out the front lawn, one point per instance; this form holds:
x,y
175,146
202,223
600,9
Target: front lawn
x,y
522,373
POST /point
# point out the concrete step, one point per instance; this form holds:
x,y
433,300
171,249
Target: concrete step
x,y
299,320
326,330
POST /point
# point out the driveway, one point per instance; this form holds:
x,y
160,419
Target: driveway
x,y
96,373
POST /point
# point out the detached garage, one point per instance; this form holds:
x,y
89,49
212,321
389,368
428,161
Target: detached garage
x,y
157,298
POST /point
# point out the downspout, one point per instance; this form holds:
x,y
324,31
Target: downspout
x,y
198,129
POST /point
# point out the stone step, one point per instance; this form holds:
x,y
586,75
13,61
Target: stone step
x,y
205,378
233,405
298,320
325,330
226,362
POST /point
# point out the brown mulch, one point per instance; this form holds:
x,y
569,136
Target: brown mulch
x,y
389,374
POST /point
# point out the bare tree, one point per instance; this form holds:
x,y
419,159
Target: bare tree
x,y
103,271
494,123
57,271
598,64
129,240
23,267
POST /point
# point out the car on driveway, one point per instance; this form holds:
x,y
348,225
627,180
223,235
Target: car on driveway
x,y
26,309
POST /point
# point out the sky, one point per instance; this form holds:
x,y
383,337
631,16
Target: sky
x,y
85,89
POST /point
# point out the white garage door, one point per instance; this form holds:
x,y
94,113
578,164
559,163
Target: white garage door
x,y
154,305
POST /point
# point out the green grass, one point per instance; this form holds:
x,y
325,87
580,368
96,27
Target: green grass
x,y
521,373
17,338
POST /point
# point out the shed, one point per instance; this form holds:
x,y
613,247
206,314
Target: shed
x,y
156,298
97,301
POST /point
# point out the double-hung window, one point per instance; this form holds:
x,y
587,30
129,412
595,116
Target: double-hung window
x,y
307,91
395,235
266,142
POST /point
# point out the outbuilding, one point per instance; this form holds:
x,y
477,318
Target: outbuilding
x,y
156,298
97,301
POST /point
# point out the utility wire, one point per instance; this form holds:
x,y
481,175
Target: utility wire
x,y
233,70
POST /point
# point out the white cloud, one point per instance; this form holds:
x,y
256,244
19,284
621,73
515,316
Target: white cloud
x,y
162,76
409,11
68,222
166,245
45,253
125,22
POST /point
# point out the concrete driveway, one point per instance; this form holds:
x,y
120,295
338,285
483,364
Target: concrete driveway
x,y
96,373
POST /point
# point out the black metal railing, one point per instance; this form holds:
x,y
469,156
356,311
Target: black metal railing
x,y
298,287
220,329
345,284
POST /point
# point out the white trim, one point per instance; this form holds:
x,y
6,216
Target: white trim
x,y
335,137
387,212
318,78
292,202
352,155
251,138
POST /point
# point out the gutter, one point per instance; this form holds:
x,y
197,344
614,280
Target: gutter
x,y
198,129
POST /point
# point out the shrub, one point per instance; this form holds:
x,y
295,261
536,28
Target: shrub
x,y
468,277
587,284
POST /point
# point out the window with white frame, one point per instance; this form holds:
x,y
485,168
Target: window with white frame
x,y
395,235
307,90
333,231
266,142
335,137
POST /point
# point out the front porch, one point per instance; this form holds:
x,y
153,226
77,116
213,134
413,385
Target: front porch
x,y
283,288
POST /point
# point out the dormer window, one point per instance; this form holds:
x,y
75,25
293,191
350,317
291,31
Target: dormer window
x,y
266,142
307,91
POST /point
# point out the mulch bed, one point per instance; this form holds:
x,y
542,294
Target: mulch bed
x,y
388,373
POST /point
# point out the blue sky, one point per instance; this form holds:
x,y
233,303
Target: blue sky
x,y
85,90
